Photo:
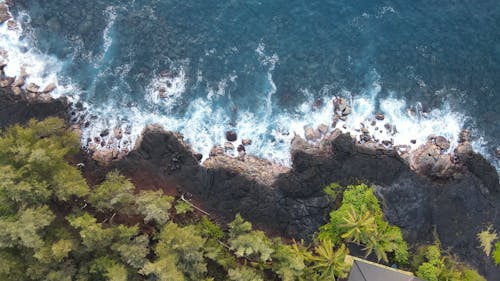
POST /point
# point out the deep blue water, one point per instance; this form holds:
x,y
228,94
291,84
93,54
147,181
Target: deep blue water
x,y
255,66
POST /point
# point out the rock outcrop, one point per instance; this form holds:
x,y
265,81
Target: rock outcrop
x,y
18,109
290,201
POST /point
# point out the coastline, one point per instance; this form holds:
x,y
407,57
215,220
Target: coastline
x,y
457,192
457,202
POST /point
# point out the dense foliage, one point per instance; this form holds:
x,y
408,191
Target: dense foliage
x,y
430,264
360,220
53,226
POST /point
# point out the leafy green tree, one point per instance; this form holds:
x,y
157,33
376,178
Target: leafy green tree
x,y
68,181
182,207
286,262
328,262
114,194
244,273
108,268
186,246
154,206
133,252
248,243
94,236
164,268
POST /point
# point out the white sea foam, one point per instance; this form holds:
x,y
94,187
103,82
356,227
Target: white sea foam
x,y
205,122
19,53
166,89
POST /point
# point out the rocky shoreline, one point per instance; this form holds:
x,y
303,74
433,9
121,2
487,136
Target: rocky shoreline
x,y
456,193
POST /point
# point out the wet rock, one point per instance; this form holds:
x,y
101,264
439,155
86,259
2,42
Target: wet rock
x,y
413,141
97,139
231,136
246,142
335,121
104,133
442,143
23,73
6,82
128,130
311,134
198,156
323,129
379,116
12,25
19,82
216,150
373,123
465,136
228,146
32,88
497,152
4,13
341,106
49,88
118,133
105,156
241,150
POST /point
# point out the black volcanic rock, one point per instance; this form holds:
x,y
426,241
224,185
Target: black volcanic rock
x,y
17,109
291,202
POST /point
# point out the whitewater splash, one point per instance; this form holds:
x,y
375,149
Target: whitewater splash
x,y
206,119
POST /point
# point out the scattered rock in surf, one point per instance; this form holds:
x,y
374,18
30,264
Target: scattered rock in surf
x,y
373,123
104,133
231,136
413,141
23,73
379,116
4,13
19,82
341,107
32,88
246,142
118,133
322,128
128,130
49,88
79,105
335,121
442,142
311,134
97,140
497,152
241,151
198,156
12,25
6,82
228,146
216,150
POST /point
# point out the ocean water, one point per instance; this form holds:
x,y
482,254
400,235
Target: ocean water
x,y
267,69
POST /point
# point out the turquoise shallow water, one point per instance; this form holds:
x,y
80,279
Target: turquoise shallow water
x,y
264,67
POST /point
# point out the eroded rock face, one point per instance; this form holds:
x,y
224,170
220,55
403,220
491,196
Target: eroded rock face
x,y
14,108
291,201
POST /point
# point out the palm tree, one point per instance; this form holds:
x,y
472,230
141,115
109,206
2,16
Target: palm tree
x,y
328,262
382,241
358,227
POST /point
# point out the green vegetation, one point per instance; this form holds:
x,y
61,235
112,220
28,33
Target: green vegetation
x,y
486,238
53,226
496,253
430,264
359,220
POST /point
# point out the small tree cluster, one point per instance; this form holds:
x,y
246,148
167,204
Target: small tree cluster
x,y
360,220
431,265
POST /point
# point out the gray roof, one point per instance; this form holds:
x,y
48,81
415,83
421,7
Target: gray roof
x,y
362,271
